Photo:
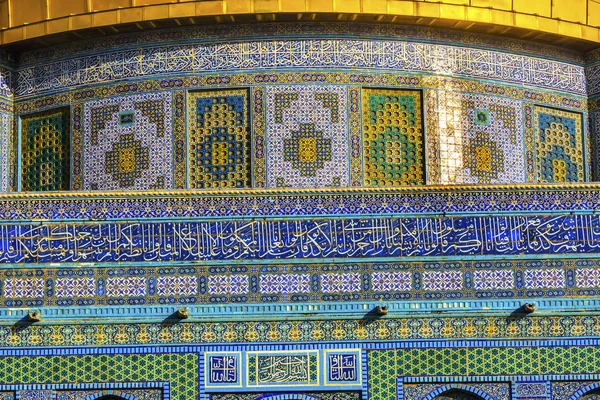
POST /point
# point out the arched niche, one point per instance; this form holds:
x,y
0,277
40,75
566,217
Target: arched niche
x,y
458,392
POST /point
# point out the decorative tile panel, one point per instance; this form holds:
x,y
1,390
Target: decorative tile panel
x,y
177,285
391,281
137,394
219,139
493,280
566,390
410,236
23,288
562,200
285,283
333,283
307,136
128,143
476,361
544,279
481,138
442,280
559,145
200,57
125,287
531,390
222,369
75,287
343,367
595,132
242,283
282,368
337,395
45,146
393,137
587,277
35,395
179,369
228,284
6,129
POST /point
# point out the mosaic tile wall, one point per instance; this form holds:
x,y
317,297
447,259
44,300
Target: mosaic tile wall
x,y
244,283
559,155
174,53
393,138
128,143
307,136
45,156
480,138
595,132
219,139
468,78
475,361
179,369
445,163
6,129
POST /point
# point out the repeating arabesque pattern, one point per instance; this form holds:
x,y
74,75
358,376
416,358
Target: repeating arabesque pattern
x,y
293,331
299,283
327,202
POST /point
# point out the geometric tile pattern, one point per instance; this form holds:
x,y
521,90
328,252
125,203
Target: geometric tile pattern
x,y
284,283
393,138
442,280
23,288
181,370
493,280
333,283
296,395
563,200
587,277
313,331
466,361
10,396
480,138
75,287
128,143
177,285
45,146
220,284
307,136
391,281
559,145
545,279
126,287
5,136
219,139
228,284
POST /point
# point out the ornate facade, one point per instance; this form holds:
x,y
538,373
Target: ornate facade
x,y
307,209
